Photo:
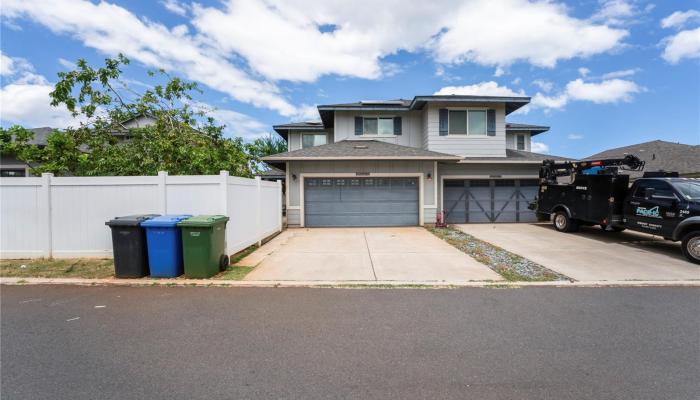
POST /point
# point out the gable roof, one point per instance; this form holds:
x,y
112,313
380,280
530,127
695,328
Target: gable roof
x,y
307,126
360,150
659,155
417,103
533,129
515,156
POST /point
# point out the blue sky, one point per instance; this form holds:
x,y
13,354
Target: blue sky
x,y
601,73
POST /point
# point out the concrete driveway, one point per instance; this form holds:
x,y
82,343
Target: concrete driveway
x,y
363,254
591,254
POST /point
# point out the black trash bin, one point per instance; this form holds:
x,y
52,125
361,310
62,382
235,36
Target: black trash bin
x,y
129,245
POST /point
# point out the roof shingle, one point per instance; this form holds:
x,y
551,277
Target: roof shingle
x,y
359,150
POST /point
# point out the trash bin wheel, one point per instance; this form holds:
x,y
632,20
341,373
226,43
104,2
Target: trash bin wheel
x,y
223,262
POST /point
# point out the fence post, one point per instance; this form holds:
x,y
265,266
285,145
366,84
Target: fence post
x,y
258,210
279,212
162,191
223,185
45,213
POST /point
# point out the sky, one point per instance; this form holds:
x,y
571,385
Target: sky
x,y
601,73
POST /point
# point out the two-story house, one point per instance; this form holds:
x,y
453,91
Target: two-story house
x,y
400,162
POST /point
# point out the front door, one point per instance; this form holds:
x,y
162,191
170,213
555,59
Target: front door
x,y
657,214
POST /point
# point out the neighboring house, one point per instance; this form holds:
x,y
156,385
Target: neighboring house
x,y
660,156
10,166
392,163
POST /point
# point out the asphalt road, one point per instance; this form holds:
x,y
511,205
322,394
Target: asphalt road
x,y
68,342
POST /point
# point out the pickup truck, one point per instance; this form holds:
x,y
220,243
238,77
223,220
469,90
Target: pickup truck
x,y
665,206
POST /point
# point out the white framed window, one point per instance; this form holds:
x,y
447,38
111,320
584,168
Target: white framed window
x,y
466,122
520,142
312,140
378,126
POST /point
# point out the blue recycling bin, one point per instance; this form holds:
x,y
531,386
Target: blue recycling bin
x,y
164,242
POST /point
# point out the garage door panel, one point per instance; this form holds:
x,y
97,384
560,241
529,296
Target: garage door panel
x,y
361,202
496,200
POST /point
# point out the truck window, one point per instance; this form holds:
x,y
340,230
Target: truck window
x,y
661,189
689,189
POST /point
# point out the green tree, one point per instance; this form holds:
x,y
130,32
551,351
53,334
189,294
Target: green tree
x,y
268,145
182,138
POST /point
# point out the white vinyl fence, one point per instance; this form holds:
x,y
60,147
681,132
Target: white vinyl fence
x,y
64,217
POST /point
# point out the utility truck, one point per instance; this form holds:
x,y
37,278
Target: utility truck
x,y
597,193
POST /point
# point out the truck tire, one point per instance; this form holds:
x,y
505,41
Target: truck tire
x,y
691,246
563,223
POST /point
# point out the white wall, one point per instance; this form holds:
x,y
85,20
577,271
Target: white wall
x,y
65,217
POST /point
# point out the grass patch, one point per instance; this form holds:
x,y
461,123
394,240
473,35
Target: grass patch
x,y
511,267
236,258
58,268
234,273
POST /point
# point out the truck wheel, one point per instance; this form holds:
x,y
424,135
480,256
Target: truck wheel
x,y
691,246
563,223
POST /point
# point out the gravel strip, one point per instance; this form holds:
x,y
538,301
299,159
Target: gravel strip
x,y
511,266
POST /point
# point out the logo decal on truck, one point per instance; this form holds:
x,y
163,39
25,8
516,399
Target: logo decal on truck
x,y
648,212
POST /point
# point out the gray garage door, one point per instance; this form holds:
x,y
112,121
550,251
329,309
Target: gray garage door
x,y
489,200
360,201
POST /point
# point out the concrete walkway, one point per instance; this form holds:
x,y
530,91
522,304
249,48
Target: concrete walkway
x,y
591,255
363,254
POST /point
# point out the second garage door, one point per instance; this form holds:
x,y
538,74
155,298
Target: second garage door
x,y
489,200
361,201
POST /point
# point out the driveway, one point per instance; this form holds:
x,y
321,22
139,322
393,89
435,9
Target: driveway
x,y
363,254
591,254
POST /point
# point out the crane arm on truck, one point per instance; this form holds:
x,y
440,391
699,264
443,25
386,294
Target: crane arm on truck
x,y
550,169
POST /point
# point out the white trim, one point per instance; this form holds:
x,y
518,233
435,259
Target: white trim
x,y
418,175
443,177
293,207
287,185
435,184
341,158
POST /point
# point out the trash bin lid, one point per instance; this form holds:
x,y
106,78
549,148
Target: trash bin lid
x,y
203,221
165,221
130,220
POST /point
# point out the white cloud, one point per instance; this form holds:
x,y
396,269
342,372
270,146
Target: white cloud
x,y
583,71
489,88
516,81
538,147
615,12
543,84
67,64
540,100
574,136
113,29
24,99
680,18
552,35
499,72
620,74
684,44
608,91
175,7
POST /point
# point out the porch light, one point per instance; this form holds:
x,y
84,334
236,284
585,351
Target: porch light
x,y
430,176
294,177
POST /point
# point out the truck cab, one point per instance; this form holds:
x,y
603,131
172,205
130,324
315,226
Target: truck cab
x,y
662,206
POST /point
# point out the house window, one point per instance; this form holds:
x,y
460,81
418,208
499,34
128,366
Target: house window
x,y
378,126
312,139
520,142
467,122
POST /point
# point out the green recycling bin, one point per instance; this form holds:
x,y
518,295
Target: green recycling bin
x,y
204,245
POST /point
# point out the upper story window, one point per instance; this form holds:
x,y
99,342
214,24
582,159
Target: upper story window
x,y
312,139
378,126
520,142
467,122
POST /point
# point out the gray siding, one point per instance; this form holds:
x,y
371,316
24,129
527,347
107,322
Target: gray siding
x,y
462,145
412,127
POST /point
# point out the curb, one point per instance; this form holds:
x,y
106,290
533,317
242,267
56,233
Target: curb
x,y
338,284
